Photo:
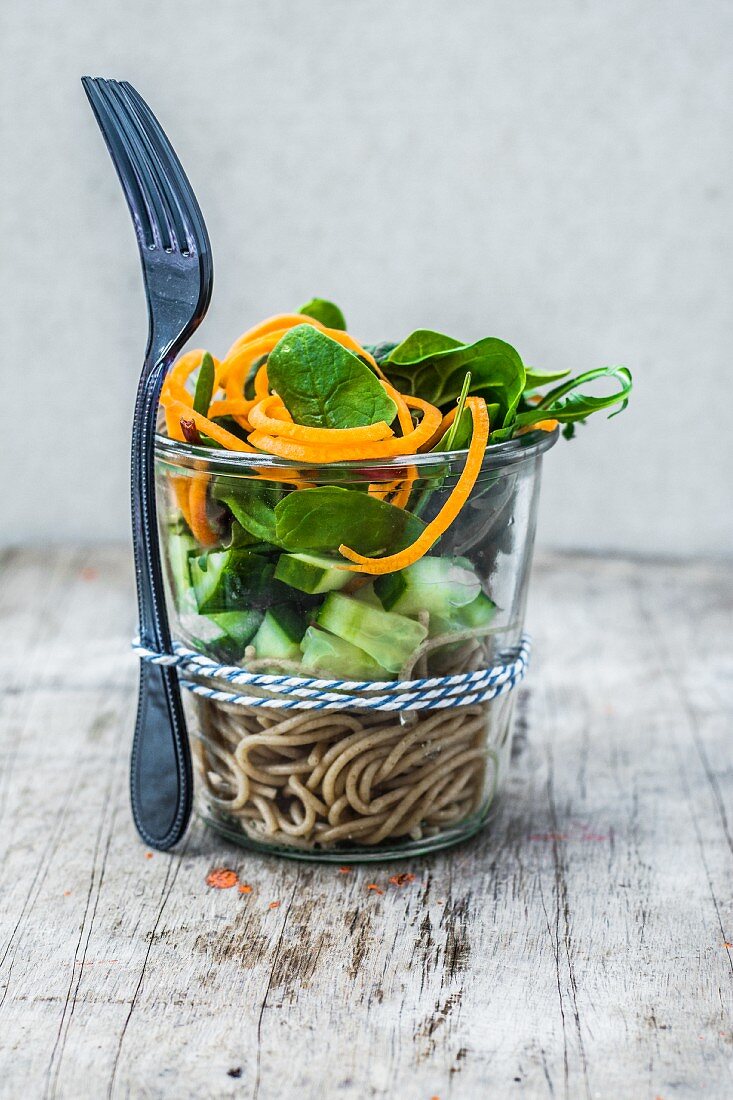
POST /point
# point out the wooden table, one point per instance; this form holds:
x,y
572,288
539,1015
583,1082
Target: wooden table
x,y
582,947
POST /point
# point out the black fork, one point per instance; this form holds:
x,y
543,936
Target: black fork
x,y
178,275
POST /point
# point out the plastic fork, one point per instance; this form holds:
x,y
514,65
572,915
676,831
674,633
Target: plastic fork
x,y
178,276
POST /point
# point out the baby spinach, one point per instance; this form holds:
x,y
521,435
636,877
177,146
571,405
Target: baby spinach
x,y
433,366
326,312
325,517
323,385
252,503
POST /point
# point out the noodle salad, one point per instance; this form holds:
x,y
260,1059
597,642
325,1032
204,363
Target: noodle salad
x,y
332,509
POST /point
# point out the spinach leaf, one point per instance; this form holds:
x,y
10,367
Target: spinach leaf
x,y
567,404
434,366
380,351
326,312
325,517
536,378
323,385
204,385
252,503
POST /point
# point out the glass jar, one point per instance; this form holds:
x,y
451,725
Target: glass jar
x,y
250,552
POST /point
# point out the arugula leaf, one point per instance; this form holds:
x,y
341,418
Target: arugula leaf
x,y
459,434
567,404
326,312
204,385
323,385
325,517
433,366
536,378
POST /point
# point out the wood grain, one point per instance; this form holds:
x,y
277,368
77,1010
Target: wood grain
x,y
580,948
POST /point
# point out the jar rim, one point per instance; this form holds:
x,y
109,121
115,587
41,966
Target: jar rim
x,y
509,453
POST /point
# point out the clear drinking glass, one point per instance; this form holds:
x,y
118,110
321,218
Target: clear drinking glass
x,y
342,784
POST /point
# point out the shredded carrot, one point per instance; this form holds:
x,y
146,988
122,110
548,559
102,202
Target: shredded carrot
x,y
260,418
448,512
442,429
208,427
245,888
283,321
221,878
202,530
373,886
541,425
346,452
180,489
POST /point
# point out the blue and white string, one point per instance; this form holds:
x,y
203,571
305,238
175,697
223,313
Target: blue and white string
x,y
308,693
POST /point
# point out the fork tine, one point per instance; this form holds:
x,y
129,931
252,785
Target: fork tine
x,y
160,215
168,184
124,164
171,166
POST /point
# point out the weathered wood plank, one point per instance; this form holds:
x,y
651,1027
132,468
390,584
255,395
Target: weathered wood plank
x,y
576,949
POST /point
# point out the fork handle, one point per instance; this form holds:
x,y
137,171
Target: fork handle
x,y
160,767
161,780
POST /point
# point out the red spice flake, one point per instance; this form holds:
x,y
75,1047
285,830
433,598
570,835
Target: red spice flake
x,y
221,878
726,944
345,870
245,888
402,878
67,893
274,905
148,855
190,431
88,574
373,886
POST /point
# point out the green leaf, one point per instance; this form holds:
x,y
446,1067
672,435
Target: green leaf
x,y
326,312
204,385
423,344
252,503
380,351
433,366
323,518
536,378
323,385
459,434
567,404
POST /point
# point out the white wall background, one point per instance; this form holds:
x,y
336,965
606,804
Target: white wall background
x,y
555,174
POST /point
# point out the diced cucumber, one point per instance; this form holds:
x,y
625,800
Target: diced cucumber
x,y
224,635
178,548
239,626
387,637
280,634
325,654
366,594
436,585
312,573
479,612
232,580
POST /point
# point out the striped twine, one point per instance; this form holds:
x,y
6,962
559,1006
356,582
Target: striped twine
x,y
305,693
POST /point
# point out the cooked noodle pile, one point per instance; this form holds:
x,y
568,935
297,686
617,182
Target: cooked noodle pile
x,y
321,779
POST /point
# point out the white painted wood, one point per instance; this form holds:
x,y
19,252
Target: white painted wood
x,y
576,949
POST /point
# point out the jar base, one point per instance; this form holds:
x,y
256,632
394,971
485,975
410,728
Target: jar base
x,y
385,853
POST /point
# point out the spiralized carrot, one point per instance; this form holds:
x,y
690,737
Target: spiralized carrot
x,y
261,419
405,421
208,427
442,429
446,515
180,486
198,519
282,321
346,452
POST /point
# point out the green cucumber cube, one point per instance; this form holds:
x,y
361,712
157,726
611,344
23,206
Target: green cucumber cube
x,y
387,637
436,585
326,655
232,580
280,634
312,573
